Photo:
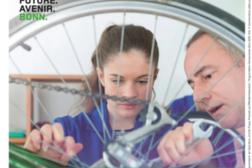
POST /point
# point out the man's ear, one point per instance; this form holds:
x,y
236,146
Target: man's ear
x,y
101,76
243,61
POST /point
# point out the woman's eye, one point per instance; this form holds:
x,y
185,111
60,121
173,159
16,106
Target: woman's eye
x,y
115,81
142,82
209,76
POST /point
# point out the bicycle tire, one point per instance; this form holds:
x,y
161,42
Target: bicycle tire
x,y
190,14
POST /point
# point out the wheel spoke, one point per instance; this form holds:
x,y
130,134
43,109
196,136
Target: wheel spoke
x,y
180,12
191,147
148,84
67,87
151,57
98,66
150,146
181,89
217,150
101,114
137,151
41,104
213,157
56,149
210,89
203,56
119,70
182,117
175,65
60,150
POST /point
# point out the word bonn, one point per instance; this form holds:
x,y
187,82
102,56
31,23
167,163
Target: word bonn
x,y
35,12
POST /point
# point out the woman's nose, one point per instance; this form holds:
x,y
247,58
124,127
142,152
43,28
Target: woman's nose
x,y
129,91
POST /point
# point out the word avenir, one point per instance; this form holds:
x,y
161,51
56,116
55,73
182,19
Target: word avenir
x,y
36,8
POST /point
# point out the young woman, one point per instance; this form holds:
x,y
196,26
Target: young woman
x,y
81,136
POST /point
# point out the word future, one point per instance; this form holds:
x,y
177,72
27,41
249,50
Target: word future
x,y
38,1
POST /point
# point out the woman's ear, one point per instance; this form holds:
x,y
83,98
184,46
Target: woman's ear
x,y
101,76
155,75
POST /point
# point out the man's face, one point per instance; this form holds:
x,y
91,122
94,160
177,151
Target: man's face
x,y
227,93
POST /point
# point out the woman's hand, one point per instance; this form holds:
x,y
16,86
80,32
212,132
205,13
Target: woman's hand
x,y
38,142
172,147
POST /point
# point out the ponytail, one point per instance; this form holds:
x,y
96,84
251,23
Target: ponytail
x,y
87,103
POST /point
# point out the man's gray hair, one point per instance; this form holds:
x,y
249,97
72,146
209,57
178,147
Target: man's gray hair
x,y
233,52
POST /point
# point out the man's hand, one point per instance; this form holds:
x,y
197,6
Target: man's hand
x,y
172,147
37,142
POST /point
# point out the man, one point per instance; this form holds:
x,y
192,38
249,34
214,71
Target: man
x,y
222,101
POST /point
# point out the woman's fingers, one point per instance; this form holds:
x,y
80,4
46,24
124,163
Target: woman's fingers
x,y
46,132
50,142
70,142
71,148
58,135
58,131
34,140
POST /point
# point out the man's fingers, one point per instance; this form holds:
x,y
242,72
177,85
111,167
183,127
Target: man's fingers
x,y
165,157
188,131
166,147
46,132
172,146
162,152
179,141
163,141
171,149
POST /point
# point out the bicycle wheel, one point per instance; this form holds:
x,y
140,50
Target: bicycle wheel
x,y
208,121
195,13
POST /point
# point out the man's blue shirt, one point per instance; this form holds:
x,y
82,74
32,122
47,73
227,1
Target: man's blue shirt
x,y
183,104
